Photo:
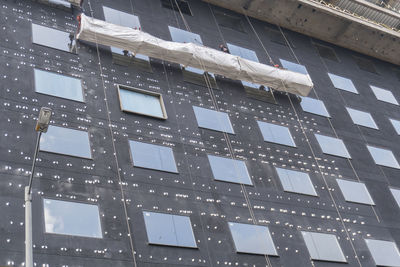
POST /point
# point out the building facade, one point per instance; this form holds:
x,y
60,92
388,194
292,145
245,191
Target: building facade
x,y
148,163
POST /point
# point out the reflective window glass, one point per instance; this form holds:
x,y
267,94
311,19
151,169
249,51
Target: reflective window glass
x,y
213,120
71,218
384,253
396,195
384,95
323,247
66,141
58,85
276,134
141,102
296,182
182,36
53,38
383,157
314,106
396,125
229,170
342,83
293,66
362,118
332,146
123,19
355,192
247,54
252,239
152,156
168,229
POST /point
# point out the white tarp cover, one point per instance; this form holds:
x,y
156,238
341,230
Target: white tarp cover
x,y
193,55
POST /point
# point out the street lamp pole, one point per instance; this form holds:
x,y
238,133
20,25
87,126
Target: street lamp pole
x,y
42,125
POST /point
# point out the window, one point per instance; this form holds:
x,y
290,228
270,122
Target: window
x,y
396,125
169,230
141,102
229,170
66,141
276,134
190,74
247,54
365,64
229,21
383,157
252,239
127,20
355,192
384,95
213,120
152,156
71,218
276,37
384,253
362,118
54,84
332,146
326,52
293,66
314,106
342,83
296,182
396,195
53,38
57,3
177,5
323,247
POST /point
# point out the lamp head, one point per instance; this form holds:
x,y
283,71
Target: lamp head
x,y
43,121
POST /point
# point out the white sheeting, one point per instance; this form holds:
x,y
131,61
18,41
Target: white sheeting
x,y
193,55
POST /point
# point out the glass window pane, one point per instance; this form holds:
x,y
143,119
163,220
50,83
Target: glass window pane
x,y
66,141
384,253
293,66
213,120
355,192
396,195
153,156
168,229
58,85
396,125
142,102
247,54
276,134
51,37
332,146
342,83
383,157
296,182
71,218
123,19
323,247
229,170
362,118
253,239
314,106
182,36
384,95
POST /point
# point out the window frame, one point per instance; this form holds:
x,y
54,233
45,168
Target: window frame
x,y
315,245
331,154
318,100
69,235
317,45
296,192
355,182
345,78
375,127
178,8
226,181
386,149
145,92
379,240
384,89
68,155
211,129
60,97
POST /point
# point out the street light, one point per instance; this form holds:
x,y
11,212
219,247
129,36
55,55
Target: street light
x,y
42,125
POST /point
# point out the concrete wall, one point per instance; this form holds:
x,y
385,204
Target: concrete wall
x,y
122,191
